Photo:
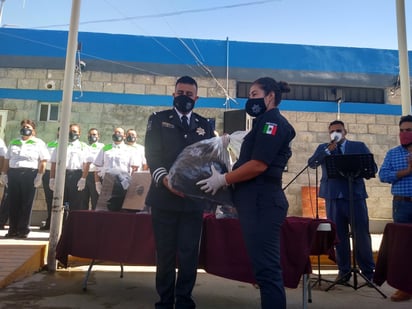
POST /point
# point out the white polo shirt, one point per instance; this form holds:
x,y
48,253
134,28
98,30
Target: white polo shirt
x,y
26,154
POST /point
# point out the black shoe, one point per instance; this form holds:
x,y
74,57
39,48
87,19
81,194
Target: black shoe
x,y
45,228
342,279
21,236
10,235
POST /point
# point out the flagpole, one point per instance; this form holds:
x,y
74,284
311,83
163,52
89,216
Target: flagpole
x,y
403,58
57,206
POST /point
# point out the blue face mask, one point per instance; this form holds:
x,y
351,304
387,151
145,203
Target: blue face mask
x,y
255,107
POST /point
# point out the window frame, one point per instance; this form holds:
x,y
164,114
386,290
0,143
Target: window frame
x,y
50,106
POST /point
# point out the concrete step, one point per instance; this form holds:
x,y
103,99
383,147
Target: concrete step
x,y
20,258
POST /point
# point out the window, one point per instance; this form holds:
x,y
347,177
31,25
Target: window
x,y
324,93
49,112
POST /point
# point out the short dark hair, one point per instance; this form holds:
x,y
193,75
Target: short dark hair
x,y
407,118
268,84
336,122
186,80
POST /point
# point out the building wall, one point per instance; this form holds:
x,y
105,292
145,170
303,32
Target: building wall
x,y
378,131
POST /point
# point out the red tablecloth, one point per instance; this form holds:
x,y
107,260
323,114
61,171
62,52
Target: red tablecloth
x,y
128,238
394,262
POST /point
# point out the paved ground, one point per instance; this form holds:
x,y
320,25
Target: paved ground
x,y
105,289
64,289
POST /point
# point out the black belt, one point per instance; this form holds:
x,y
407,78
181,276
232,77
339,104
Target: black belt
x,y
270,179
402,198
73,171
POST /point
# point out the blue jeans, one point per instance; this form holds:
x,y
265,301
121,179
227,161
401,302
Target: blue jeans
x,y
402,211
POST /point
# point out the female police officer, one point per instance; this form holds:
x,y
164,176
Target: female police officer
x,y
258,195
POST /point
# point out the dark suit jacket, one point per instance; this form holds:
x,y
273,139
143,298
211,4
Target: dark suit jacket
x,y
165,139
332,188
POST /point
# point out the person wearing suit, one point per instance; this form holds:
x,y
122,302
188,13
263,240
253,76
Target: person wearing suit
x,y
177,221
335,191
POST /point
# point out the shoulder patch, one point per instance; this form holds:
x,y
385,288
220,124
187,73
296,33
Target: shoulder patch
x,y
270,128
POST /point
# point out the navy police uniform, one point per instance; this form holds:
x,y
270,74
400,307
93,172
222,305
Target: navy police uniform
x,y
335,191
177,221
261,203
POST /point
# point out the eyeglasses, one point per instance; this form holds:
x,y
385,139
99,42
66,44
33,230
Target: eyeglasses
x,y
338,130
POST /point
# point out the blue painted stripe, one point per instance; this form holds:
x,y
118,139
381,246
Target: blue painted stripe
x,y
166,100
145,49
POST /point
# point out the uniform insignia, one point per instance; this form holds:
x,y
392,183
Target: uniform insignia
x,y
270,128
149,125
200,131
167,125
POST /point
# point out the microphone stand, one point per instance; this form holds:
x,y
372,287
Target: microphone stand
x,y
294,178
298,174
319,279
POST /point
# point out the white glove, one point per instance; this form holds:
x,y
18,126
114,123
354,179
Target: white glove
x,y
213,183
98,187
38,180
51,184
225,140
81,184
125,184
4,179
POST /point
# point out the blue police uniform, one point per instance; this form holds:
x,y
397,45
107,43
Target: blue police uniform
x,y
177,222
261,203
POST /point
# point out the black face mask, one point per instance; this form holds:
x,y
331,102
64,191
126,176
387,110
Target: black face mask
x,y
73,136
183,104
255,107
92,139
117,138
26,131
130,139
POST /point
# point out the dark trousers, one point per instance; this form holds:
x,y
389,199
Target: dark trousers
x,y
338,211
21,193
177,237
72,195
262,209
4,207
48,194
89,192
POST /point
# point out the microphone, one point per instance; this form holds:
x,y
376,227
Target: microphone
x,y
335,139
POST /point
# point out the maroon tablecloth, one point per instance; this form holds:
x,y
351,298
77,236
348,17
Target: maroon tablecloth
x,y
394,262
128,238
110,236
225,253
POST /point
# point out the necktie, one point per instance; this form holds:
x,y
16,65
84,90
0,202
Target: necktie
x,y
340,149
185,124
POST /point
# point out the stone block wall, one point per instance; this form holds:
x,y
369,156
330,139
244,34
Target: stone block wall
x,y
379,132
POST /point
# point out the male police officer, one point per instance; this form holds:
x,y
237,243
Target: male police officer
x,y
177,221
